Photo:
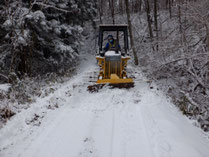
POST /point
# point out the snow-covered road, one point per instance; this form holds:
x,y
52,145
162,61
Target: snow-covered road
x,y
139,122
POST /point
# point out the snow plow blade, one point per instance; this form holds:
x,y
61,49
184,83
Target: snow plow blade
x,y
114,82
114,79
95,88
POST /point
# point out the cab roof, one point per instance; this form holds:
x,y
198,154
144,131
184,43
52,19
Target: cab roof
x,y
113,27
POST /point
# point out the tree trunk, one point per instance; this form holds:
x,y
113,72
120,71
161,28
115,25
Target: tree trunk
x,y
12,64
147,7
113,12
111,4
170,9
140,5
185,12
131,33
156,21
101,7
166,4
100,11
207,35
133,6
137,6
121,7
179,17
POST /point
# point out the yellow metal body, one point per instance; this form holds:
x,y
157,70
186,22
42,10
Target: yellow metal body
x,y
113,72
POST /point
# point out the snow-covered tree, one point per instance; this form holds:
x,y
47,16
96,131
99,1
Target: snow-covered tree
x,y
41,36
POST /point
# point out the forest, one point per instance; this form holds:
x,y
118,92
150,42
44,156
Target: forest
x,y
41,40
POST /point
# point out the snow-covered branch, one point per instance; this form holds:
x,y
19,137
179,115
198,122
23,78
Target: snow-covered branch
x,y
186,58
50,6
4,76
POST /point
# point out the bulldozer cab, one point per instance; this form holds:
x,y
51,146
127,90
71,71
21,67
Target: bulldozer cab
x,y
119,33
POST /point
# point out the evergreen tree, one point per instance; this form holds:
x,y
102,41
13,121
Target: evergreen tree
x,y
40,37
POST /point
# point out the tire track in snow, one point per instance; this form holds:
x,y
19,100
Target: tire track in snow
x,y
137,141
104,132
89,149
119,124
159,144
127,130
112,133
160,147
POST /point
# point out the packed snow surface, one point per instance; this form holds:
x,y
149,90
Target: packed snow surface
x,y
136,122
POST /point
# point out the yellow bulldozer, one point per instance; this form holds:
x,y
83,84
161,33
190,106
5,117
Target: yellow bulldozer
x,y
113,60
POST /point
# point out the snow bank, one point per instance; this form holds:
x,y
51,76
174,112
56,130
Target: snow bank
x,y
4,87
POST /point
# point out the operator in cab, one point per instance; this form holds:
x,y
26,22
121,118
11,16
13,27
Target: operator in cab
x,y
112,45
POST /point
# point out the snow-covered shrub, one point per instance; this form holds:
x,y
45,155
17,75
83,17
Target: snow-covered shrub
x,y
22,93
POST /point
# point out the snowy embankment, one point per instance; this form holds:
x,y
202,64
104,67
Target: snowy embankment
x,y
113,122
